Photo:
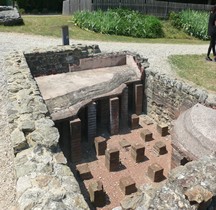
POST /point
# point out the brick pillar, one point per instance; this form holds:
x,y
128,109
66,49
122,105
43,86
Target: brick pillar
x,y
112,159
124,108
114,115
103,113
138,98
92,121
97,194
75,137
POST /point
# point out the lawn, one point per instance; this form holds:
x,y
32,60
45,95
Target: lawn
x,y
196,69
51,26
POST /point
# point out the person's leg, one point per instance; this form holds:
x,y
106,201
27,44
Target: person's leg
x,y
209,51
211,46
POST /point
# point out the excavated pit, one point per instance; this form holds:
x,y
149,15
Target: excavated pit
x,y
102,96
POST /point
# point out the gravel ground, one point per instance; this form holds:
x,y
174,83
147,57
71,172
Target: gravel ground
x,y
156,53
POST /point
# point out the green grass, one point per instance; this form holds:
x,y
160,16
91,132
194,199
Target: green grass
x,y
195,69
51,26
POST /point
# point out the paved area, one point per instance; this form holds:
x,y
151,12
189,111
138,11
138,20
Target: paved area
x,y
127,166
156,53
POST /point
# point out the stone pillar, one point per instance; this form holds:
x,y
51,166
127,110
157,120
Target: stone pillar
x,y
159,148
138,98
97,194
138,152
92,121
162,129
103,113
84,171
65,35
146,135
124,108
114,115
100,145
75,136
155,172
134,121
65,139
112,159
127,185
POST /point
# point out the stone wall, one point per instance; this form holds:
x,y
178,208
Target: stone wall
x,y
165,97
57,60
44,181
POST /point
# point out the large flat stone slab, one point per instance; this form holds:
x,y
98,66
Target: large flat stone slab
x,y
65,93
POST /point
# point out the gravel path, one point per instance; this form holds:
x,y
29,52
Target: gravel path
x,y
156,53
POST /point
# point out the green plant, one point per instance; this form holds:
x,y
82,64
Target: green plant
x,y
120,22
192,22
22,11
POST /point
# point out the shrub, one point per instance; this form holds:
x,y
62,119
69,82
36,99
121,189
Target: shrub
x,y
21,11
120,22
194,23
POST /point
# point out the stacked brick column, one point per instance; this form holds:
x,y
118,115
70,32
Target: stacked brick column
x,y
103,113
92,121
75,137
138,98
124,108
114,115
112,159
97,194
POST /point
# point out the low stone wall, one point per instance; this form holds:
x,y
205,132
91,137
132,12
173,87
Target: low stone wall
x,y
57,59
44,181
166,98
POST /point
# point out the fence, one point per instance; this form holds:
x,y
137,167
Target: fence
x,y
149,7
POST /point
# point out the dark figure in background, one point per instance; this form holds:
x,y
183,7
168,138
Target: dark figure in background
x,y
212,33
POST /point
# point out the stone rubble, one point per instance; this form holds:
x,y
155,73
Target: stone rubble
x,y
10,16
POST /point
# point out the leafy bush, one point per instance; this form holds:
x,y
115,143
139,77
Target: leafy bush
x,y
21,11
194,23
120,22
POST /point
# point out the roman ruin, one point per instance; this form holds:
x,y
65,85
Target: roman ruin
x,y
94,130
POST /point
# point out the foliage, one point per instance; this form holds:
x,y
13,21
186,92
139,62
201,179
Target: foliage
x,y
51,26
40,5
120,22
21,11
194,23
3,2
